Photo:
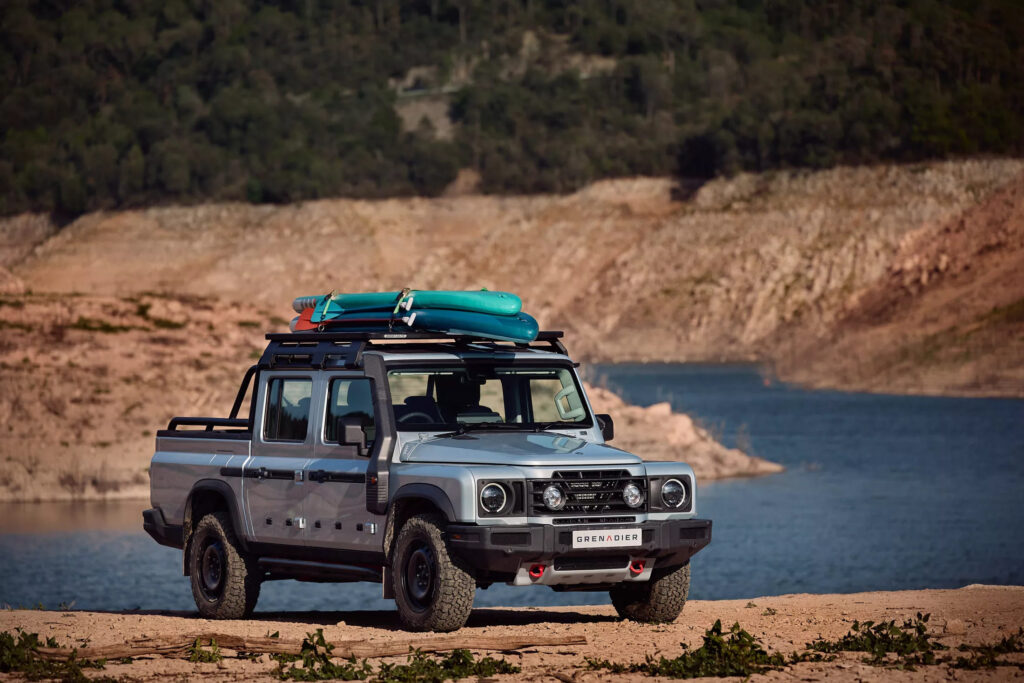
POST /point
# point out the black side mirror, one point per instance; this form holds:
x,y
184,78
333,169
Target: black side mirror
x,y
349,429
604,421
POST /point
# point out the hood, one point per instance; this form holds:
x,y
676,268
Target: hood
x,y
515,448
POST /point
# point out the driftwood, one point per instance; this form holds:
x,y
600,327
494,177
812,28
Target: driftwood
x,y
179,646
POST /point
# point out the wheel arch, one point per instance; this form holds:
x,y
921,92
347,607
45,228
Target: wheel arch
x,y
206,496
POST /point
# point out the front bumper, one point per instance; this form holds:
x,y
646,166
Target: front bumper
x,y
501,552
163,533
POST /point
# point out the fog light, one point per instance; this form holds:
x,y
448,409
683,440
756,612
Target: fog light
x,y
633,496
554,498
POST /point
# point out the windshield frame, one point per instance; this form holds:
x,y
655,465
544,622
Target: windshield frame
x,y
587,422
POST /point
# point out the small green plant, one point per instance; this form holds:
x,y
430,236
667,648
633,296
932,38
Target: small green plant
x,y
769,612
456,665
736,653
19,653
316,663
248,323
987,656
199,653
317,666
910,643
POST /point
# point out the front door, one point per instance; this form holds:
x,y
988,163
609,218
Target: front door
x,y
336,476
274,478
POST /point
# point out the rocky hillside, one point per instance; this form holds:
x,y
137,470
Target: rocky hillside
x,y
779,267
906,278
87,380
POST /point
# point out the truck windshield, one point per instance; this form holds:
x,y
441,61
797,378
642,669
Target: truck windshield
x,y
445,398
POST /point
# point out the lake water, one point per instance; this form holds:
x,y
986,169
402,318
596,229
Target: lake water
x,y
880,493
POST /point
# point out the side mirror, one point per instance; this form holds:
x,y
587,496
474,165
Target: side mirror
x,y
349,429
604,421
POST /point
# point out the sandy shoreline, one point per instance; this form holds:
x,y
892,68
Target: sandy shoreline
x,y
973,615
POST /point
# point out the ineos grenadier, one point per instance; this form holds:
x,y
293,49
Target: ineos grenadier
x,y
432,465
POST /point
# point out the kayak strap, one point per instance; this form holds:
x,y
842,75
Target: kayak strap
x,y
401,297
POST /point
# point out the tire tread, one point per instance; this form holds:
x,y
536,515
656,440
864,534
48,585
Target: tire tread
x,y
456,589
243,577
657,601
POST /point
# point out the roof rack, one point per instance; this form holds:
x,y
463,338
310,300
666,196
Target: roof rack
x,y
345,349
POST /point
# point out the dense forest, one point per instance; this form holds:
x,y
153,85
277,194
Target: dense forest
x,y
119,103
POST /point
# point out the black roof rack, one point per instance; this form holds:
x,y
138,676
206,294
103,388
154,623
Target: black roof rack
x,y
345,349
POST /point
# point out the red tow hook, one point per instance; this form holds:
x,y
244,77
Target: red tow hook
x,y
536,571
636,567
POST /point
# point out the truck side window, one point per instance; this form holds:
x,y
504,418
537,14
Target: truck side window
x,y
347,397
287,417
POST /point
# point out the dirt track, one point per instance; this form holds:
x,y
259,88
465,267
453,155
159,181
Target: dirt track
x,y
974,615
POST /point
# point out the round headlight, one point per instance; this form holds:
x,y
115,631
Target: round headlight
x,y
633,496
673,493
554,498
493,497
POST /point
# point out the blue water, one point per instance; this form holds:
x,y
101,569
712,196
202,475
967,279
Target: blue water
x,y
880,492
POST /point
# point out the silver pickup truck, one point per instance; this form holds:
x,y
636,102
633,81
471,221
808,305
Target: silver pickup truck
x,y
432,466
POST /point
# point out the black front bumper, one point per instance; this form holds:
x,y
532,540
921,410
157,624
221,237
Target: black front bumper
x,y
501,550
163,533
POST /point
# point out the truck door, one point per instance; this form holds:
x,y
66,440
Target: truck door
x,y
273,479
336,476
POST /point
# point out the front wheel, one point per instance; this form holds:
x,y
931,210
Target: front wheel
x,y
225,583
433,593
657,601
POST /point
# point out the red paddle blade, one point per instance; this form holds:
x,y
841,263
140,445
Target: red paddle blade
x,y
304,323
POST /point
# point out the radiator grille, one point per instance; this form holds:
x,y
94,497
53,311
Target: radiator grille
x,y
588,492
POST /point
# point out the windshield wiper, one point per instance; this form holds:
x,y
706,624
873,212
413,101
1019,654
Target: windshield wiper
x,y
471,426
544,426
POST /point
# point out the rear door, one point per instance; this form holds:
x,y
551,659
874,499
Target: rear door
x,y
336,476
274,478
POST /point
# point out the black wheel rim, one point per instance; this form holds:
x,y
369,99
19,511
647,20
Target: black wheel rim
x,y
212,569
419,576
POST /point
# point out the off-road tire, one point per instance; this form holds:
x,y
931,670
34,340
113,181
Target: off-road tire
x,y
438,598
238,588
657,601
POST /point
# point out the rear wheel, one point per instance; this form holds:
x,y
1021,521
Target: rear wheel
x,y
225,582
659,600
432,592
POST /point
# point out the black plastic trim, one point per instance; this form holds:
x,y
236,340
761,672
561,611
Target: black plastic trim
x,y
427,492
369,558
170,535
221,487
488,548
324,476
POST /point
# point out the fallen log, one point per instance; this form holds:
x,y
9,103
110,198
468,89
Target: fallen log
x,y
180,646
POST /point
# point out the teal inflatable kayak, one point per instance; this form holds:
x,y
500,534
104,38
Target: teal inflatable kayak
x,y
520,327
331,305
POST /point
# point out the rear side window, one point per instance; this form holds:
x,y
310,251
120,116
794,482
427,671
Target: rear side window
x,y
349,398
287,417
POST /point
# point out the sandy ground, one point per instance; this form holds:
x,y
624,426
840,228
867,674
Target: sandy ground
x,y
975,614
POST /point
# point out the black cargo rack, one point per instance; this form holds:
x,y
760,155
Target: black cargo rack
x,y
345,349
